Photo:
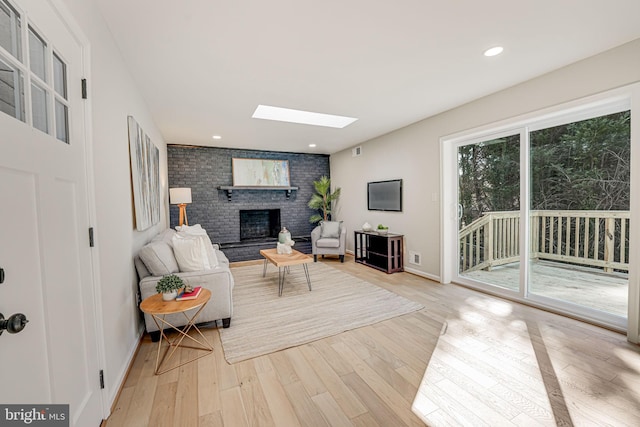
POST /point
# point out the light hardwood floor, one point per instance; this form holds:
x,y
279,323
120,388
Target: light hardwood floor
x,y
472,358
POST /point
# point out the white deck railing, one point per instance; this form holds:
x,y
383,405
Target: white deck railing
x,y
592,238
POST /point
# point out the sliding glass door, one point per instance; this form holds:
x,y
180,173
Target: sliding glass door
x,y
544,211
579,213
489,211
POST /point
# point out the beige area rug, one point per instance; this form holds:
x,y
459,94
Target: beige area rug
x,y
263,323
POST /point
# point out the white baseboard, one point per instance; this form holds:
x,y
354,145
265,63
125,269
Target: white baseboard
x,y
412,271
122,375
422,274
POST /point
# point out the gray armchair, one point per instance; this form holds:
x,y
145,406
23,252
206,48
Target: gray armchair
x,y
328,241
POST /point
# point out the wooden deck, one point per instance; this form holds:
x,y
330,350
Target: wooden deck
x,y
588,287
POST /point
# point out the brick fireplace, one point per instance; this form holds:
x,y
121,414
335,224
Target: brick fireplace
x,y
259,224
204,169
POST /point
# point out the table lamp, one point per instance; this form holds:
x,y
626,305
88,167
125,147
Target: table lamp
x,y
181,197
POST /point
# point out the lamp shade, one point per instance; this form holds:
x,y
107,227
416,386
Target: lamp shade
x,y
179,196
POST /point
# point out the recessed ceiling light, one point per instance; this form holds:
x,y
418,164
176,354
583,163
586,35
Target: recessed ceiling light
x,y
217,137
304,117
497,50
312,145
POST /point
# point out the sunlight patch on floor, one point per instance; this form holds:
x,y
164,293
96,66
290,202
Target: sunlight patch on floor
x,y
630,358
475,378
492,305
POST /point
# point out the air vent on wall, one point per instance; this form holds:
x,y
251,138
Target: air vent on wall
x,y
415,258
356,151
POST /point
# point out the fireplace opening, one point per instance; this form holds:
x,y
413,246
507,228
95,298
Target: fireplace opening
x,y
259,224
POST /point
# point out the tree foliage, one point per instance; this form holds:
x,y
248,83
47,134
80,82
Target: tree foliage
x,y
583,165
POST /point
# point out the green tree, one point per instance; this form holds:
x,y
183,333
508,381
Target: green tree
x,y
489,177
582,165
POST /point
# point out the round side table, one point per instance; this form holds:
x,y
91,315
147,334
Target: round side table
x,y
158,309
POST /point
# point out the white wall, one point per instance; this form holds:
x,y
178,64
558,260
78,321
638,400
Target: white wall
x,y
114,96
413,153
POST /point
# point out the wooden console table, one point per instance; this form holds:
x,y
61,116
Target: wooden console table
x,y
380,251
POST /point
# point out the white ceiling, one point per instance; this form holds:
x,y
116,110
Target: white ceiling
x,y
203,66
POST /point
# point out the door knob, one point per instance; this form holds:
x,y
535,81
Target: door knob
x,y
13,324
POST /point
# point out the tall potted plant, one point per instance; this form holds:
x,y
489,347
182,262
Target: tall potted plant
x,y
322,200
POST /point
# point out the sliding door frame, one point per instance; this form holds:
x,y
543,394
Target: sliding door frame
x,y
601,104
523,156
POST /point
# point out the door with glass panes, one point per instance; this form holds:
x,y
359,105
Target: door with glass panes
x,y
44,250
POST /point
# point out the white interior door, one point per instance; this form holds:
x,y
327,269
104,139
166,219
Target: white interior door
x,y
44,245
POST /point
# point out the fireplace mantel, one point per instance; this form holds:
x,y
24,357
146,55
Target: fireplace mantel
x,y
230,189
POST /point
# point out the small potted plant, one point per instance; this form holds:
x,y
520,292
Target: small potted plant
x,y
168,286
382,229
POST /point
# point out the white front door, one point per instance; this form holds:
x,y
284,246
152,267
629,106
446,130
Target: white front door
x,y
44,221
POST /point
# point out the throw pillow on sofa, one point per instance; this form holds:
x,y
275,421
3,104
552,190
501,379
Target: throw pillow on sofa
x,y
191,229
194,252
158,257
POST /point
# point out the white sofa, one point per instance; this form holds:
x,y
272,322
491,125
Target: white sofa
x,y
157,259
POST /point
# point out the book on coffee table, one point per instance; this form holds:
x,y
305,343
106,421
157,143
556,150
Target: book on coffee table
x,y
184,296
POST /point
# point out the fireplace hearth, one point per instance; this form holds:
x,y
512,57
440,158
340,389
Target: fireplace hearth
x,y
259,224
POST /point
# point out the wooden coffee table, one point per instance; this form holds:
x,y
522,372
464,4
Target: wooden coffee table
x,y
283,262
158,309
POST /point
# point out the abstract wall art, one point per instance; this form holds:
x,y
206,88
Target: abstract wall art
x,y
145,177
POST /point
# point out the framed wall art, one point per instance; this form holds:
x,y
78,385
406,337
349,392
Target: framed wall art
x,y
145,177
260,173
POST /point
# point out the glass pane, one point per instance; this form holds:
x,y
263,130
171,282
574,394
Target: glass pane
x,y
37,50
489,205
11,90
580,186
39,108
59,76
62,122
10,27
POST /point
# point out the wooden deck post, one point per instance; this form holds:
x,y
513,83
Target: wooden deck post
x,y
488,238
609,242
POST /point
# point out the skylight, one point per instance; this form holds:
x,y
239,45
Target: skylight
x,y
267,112
497,50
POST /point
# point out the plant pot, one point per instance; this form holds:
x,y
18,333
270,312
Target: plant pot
x,y
169,296
382,232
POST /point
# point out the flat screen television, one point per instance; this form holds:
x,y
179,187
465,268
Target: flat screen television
x,y
385,195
